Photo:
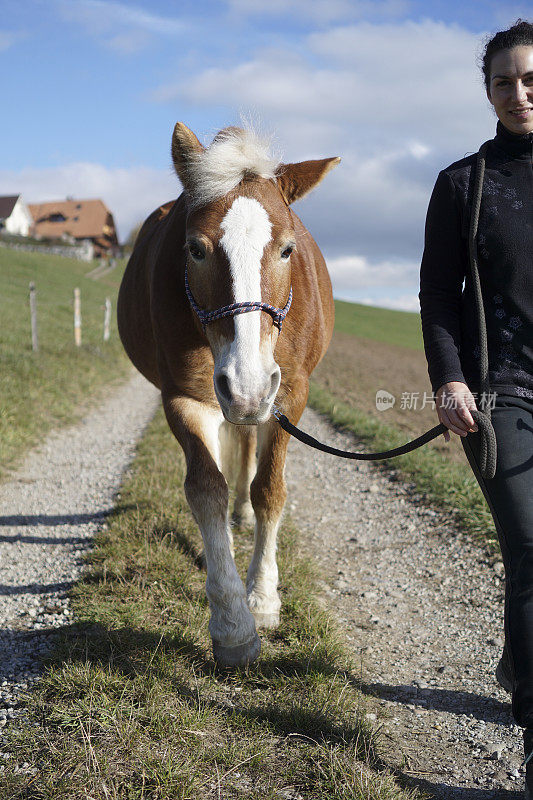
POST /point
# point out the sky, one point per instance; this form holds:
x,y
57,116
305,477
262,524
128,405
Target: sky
x,y
91,91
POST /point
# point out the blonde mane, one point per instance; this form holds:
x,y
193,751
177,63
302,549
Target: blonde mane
x,y
234,153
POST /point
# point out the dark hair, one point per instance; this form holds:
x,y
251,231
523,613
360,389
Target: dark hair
x,y
521,33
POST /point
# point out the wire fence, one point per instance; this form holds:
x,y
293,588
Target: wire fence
x,y
76,320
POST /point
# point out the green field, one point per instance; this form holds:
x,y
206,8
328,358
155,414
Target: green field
x,y
53,386
380,324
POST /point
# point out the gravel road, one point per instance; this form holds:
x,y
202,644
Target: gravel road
x,y
422,609
49,512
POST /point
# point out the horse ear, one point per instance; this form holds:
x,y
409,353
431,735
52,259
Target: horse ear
x,y
184,146
296,180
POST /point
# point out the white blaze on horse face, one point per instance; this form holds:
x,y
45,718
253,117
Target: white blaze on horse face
x,y
246,366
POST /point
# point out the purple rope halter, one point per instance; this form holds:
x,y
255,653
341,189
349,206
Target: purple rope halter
x,y
206,317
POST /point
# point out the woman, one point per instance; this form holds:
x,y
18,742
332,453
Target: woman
x,y
451,340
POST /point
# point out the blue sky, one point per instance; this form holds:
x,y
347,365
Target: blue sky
x,y
92,89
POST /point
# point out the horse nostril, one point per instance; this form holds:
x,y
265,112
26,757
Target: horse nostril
x,y
222,384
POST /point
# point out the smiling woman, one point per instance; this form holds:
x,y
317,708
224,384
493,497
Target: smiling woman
x,y
453,345
511,88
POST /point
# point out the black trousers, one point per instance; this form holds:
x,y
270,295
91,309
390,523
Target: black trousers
x,y
510,498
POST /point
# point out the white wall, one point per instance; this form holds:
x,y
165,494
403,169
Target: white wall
x,y
20,220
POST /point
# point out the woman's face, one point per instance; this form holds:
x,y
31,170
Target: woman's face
x,y
511,88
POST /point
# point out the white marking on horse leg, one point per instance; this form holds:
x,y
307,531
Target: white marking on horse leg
x,y
231,624
262,578
269,497
237,450
243,513
229,444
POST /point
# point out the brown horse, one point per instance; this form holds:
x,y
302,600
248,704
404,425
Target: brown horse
x,y
229,245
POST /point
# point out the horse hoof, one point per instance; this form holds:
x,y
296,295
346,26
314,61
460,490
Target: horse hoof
x,y
263,620
243,517
238,656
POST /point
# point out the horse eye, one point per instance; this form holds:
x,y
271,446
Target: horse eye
x,y
285,254
196,251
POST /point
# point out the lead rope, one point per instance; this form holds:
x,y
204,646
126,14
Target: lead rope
x,y
481,416
426,437
487,456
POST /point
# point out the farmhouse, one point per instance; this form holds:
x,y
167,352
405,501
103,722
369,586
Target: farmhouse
x,y
15,216
76,221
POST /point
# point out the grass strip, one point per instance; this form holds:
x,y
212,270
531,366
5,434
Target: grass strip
x,y
56,385
131,705
381,324
449,485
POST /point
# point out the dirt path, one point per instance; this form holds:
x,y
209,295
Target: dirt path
x,y
49,511
422,608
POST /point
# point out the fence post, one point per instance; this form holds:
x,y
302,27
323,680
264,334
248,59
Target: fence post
x,y
107,319
33,315
77,318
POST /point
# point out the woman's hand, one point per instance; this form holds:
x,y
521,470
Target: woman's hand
x,y
453,401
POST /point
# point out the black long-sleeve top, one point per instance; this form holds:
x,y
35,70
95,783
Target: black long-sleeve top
x,y
505,257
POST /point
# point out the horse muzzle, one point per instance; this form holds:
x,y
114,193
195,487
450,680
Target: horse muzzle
x,y
246,402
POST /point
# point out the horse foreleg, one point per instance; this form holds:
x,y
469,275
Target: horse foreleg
x,y
243,513
268,494
231,626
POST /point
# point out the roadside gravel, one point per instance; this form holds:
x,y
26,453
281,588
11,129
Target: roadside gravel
x,y
49,511
421,605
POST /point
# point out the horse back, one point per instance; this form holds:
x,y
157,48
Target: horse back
x,y
134,307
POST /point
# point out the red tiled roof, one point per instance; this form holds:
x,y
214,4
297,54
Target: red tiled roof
x,y
82,219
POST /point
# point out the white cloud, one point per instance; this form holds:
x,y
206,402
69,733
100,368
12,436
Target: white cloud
x,y
397,102
404,302
418,150
321,11
372,83
357,272
390,284
374,206
387,284
120,26
130,194
418,78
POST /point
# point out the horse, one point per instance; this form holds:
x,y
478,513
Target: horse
x,y
226,307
